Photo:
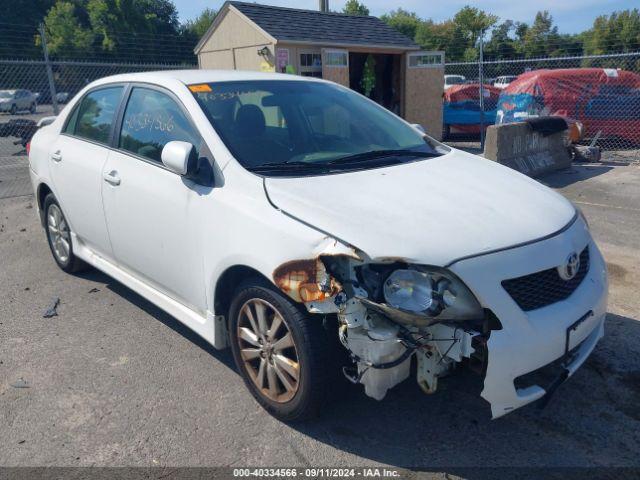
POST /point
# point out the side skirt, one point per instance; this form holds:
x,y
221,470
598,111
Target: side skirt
x,y
212,328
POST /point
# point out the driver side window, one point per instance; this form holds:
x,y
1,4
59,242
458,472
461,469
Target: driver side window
x,y
151,120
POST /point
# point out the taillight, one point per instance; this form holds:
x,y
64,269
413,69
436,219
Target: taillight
x,y
28,147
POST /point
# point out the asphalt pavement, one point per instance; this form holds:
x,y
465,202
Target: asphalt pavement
x,y
114,381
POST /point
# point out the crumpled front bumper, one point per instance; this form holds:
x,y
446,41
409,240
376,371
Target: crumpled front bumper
x,y
534,339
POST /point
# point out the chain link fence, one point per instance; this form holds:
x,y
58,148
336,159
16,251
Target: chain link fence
x,y
34,85
602,92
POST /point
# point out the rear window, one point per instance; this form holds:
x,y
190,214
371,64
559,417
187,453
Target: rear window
x,y
95,114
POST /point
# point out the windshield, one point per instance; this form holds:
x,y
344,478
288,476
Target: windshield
x,y
275,126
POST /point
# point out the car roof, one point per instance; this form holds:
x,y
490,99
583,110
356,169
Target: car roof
x,y
9,91
189,77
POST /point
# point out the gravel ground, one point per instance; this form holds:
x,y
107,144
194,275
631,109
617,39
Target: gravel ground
x,y
114,381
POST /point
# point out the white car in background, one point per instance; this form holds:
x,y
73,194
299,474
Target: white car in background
x,y
286,217
451,80
504,81
14,101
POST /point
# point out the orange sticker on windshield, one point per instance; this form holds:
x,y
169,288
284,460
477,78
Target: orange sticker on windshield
x,y
203,87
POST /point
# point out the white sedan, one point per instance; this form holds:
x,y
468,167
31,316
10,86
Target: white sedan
x,y
289,218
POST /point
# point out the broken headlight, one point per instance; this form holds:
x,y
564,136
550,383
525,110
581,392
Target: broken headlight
x,y
431,292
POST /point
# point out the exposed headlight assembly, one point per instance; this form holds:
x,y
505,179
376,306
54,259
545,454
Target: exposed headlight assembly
x,y
421,296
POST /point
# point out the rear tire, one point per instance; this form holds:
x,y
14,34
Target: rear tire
x,y
33,108
59,237
291,382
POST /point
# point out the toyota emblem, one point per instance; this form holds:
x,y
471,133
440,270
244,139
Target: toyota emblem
x,y
570,268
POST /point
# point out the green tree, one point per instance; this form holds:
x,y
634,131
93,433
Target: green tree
x,y
441,36
198,26
131,30
618,32
354,7
403,21
541,38
502,44
472,21
65,34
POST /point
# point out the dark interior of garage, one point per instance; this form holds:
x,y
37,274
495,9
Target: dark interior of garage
x,y
386,78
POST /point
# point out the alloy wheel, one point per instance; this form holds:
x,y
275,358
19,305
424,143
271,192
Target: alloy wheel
x,y
268,350
58,232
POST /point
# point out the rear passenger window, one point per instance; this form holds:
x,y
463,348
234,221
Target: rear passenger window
x,y
151,120
95,115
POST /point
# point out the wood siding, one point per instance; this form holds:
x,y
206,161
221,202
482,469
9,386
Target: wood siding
x,y
423,97
335,74
234,44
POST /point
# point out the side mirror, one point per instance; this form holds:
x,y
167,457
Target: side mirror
x,y
417,126
176,155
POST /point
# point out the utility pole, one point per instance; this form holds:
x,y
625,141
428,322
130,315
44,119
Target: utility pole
x,y
481,88
52,86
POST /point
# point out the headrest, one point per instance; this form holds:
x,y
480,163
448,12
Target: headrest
x,y
250,121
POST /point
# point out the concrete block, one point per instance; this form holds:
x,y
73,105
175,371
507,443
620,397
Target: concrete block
x,y
517,146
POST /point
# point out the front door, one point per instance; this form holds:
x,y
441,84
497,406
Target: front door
x,y
77,158
154,215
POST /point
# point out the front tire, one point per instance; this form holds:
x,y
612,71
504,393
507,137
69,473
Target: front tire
x,y
281,353
59,237
14,109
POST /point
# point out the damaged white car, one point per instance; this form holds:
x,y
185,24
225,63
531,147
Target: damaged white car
x,y
280,215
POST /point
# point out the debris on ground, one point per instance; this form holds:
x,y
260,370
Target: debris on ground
x,y
94,290
23,229
20,383
586,153
52,311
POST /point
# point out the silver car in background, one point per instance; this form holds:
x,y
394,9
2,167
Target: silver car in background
x,y
13,101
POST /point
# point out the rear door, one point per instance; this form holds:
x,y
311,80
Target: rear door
x,y
154,215
77,158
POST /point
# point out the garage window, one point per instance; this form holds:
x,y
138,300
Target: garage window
x,y
425,59
337,58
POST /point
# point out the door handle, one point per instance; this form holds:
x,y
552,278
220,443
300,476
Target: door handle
x,y
112,178
56,156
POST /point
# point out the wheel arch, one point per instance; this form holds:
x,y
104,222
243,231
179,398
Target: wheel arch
x,y
226,284
41,194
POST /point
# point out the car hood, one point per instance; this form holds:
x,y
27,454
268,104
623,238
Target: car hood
x,y
432,211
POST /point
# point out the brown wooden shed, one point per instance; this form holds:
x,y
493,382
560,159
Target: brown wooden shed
x,y
337,47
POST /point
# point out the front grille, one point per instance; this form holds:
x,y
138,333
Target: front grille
x,y
540,289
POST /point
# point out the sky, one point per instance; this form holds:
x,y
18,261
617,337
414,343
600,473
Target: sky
x,y
571,16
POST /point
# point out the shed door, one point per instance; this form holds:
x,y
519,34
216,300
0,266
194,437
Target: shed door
x,y
424,86
335,65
